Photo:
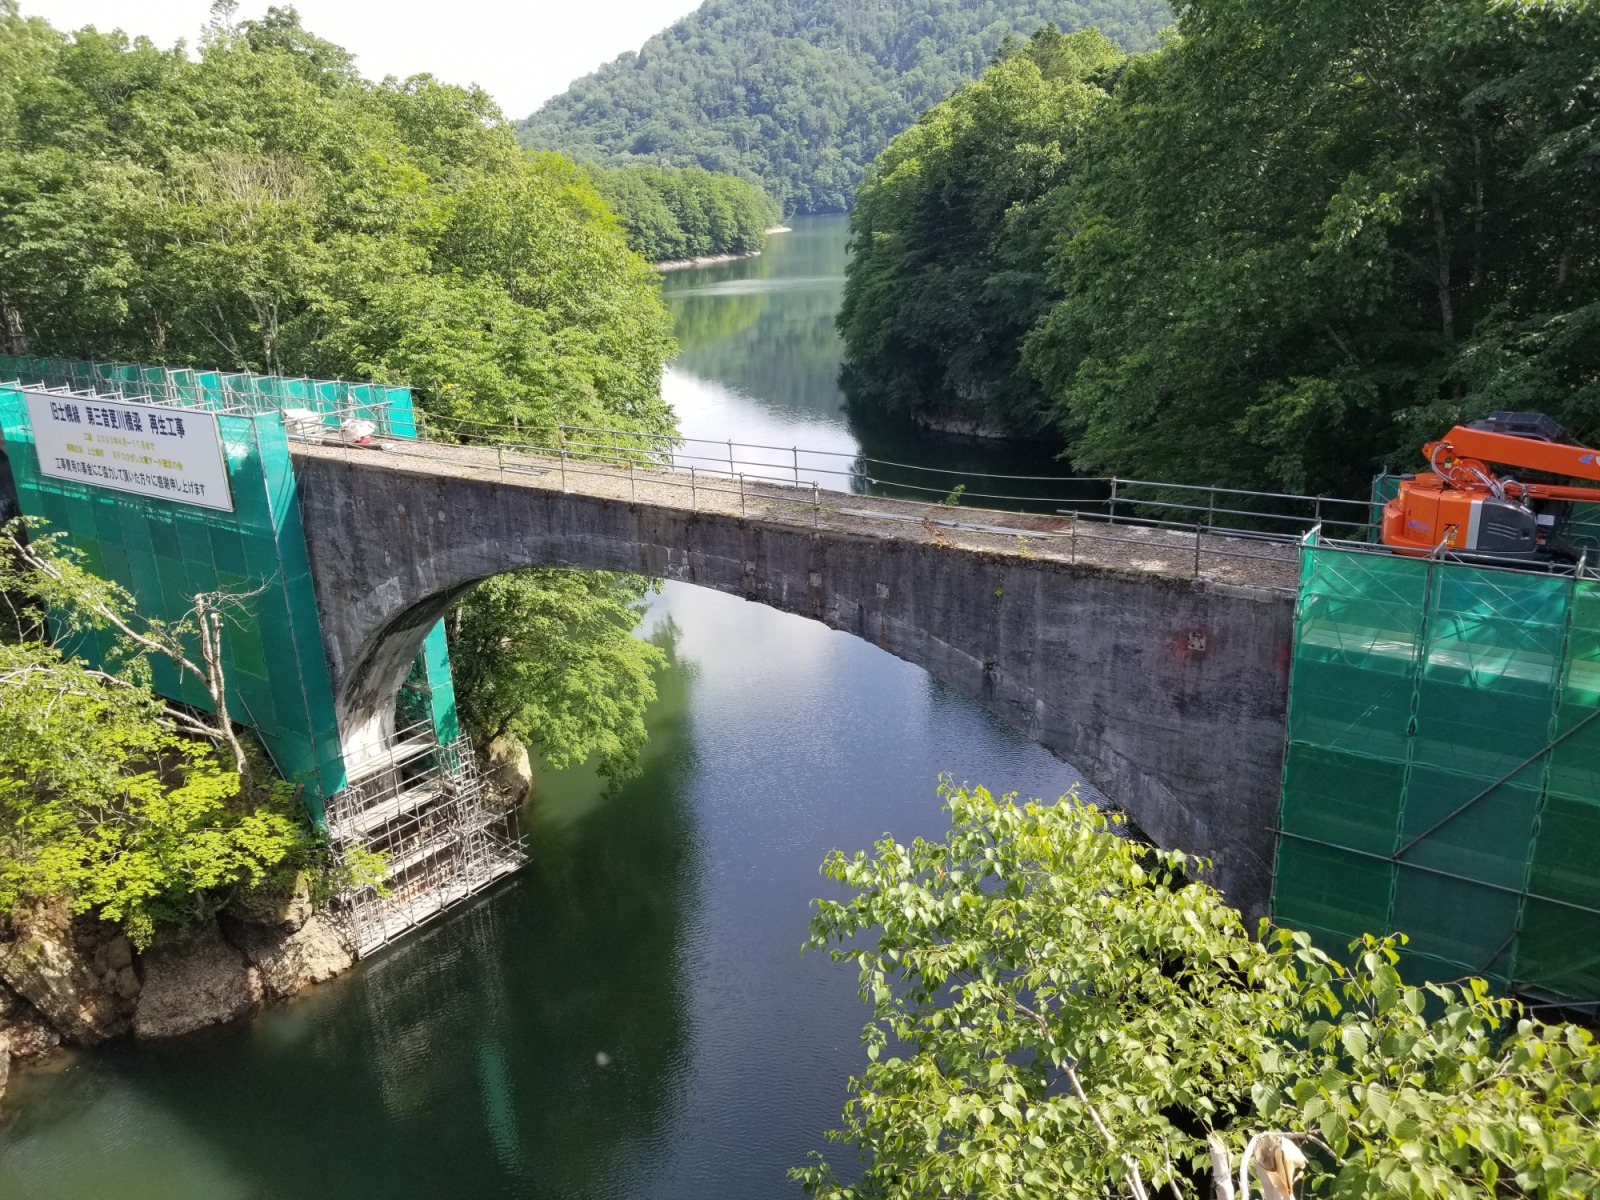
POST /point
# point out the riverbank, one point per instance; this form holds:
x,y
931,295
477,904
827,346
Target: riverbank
x,y
957,425
709,260
76,981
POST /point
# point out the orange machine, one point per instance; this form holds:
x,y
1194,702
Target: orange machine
x,y
1462,506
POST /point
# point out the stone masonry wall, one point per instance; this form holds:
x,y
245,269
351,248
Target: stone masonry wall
x,y
1169,694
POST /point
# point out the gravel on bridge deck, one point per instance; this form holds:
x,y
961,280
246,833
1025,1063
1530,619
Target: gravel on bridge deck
x,y
1238,559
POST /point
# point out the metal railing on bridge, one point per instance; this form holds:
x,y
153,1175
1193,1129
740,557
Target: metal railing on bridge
x,y
1093,514
1186,524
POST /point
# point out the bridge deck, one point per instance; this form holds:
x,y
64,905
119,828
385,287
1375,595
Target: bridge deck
x,y
1066,537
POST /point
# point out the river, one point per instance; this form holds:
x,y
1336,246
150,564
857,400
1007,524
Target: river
x,y
630,1016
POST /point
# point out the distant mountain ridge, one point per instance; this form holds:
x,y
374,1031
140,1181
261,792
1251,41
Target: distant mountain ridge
x,y
801,94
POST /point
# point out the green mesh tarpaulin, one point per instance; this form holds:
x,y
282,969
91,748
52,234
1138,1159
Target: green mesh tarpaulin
x,y
1442,773
388,408
165,552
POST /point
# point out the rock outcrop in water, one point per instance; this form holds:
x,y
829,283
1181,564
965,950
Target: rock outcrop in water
x,y
287,958
194,980
510,770
78,981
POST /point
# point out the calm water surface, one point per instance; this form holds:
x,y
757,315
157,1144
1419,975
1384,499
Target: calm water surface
x,y
630,1016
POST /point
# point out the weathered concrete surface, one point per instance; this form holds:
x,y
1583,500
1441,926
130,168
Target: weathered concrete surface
x,y
1168,693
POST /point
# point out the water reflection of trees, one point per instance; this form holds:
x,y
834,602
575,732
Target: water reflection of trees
x,y
700,321
776,340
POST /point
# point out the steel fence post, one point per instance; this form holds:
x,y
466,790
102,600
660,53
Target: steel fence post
x,y
741,494
816,505
694,503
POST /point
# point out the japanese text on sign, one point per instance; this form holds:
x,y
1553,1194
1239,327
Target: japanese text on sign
x,y
174,454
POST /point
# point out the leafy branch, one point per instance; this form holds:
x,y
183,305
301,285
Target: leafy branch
x,y
53,575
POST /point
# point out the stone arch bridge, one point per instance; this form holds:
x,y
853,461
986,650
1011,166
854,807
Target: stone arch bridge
x,y
1155,661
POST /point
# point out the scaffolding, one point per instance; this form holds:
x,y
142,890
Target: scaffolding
x,y
1442,774
425,807
421,804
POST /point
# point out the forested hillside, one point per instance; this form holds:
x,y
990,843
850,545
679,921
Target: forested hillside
x,y
952,238
1280,251
801,94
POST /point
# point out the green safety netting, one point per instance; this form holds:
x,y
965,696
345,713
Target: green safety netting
x,y
165,552
428,696
1442,775
243,392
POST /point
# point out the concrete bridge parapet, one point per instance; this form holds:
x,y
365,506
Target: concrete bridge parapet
x,y
1168,693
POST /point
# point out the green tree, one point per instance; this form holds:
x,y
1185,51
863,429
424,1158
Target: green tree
x,y
673,213
1058,1011
109,797
1305,238
950,241
800,94
548,657
1298,241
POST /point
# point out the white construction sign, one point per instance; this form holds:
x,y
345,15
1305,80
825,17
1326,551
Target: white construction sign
x,y
169,453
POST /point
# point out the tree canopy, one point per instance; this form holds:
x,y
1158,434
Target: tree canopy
x,y
801,94
672,213
262,206
548,657
1297,241
1059,1011
108,798
951,237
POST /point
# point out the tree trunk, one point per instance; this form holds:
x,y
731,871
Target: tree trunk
x,y
1477,211
1447,316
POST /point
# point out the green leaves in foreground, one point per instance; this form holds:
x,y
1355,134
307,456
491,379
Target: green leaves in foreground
x,y
1059,1012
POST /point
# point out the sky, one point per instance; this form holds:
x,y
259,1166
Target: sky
x,y
521,53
